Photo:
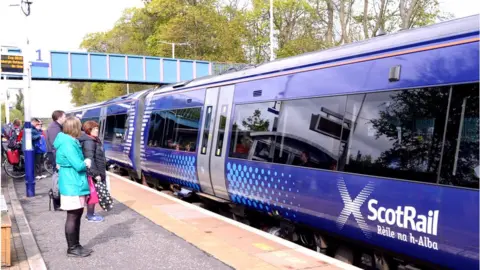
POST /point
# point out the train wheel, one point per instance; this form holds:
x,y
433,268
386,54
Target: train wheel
x,y
144,180
344,254
380,262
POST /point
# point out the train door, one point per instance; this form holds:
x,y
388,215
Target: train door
x,y
215,129
101,120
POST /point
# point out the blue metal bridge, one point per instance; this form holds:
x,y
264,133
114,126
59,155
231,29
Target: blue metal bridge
x,y
104,67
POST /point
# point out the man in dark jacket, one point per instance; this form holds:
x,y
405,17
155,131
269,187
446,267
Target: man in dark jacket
x,y
53,129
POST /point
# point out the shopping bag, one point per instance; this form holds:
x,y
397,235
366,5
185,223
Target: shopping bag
x,y
93,198
13,156
107,182
105,200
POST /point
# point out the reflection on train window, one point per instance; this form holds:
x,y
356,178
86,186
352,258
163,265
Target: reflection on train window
x,y
156,128
263,148
305,132
311,131
250,120
115,127
174,129
460,163
396,134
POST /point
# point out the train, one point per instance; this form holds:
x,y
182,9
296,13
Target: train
x,y
368,152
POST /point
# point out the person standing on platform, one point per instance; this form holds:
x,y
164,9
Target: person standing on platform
x,y
40,147
53,129
72,182
93,149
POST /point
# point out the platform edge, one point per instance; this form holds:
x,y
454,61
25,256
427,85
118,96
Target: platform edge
x,y
278,240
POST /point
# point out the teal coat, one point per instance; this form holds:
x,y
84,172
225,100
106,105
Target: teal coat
x,y
72,176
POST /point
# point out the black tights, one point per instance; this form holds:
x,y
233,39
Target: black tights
x,y
72,225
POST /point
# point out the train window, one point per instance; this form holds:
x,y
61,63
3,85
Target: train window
x,y
306,132
250,122
110,124
156,128
168,134
206,129
461,148
174,129
186,129
396,134
115,127
310,132
221,130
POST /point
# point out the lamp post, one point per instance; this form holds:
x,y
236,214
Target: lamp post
x,y
28,149
173,45
271,31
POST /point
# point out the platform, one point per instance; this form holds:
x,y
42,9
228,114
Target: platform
x,y
147,228
232,242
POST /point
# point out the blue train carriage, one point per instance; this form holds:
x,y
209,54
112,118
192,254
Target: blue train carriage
x,y
117,120
367,151
375,141
183,125
170,137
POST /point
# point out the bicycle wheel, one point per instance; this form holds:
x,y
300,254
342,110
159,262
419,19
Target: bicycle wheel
x,y
14,171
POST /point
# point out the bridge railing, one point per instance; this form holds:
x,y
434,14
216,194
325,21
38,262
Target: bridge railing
x,y
219,68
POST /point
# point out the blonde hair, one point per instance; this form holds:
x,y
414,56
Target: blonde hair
x,y
72,127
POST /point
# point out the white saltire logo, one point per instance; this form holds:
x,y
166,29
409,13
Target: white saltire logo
x,y
352,207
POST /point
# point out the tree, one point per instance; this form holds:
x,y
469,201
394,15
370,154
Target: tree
x,y
14,114
235,31
19,103
255,122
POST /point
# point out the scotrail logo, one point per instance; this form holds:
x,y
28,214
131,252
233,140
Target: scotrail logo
x,y
352,207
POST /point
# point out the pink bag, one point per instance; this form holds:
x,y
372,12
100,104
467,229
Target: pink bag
x,y
93,198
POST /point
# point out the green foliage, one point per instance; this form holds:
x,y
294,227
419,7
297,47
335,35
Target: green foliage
x,y
14,114
19,104
226,31
255,122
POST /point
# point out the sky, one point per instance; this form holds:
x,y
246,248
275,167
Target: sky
x,y
61,25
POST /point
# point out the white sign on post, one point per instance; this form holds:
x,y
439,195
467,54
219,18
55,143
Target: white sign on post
x,y
28,139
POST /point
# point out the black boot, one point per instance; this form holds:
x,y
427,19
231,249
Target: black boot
x,y
74,249
85,250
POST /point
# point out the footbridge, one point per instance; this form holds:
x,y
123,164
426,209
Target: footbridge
x,y
105,67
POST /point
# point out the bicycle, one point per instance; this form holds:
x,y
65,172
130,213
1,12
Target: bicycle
x,y
18,170
14,170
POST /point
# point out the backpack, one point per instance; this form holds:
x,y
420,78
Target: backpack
x,y
54,193
12,140
40,145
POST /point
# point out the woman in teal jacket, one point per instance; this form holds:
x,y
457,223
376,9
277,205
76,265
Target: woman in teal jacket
x,y
72,182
